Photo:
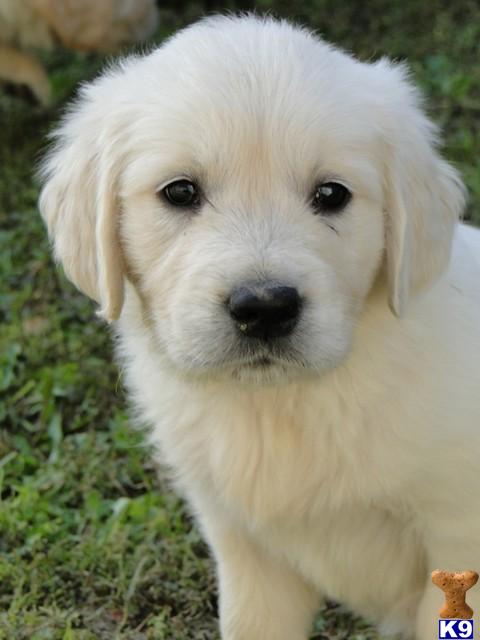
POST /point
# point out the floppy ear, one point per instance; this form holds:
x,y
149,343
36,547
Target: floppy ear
x,y
424,195
78,201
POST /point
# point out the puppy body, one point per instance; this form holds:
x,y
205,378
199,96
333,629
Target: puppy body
x,y
346,466
359,484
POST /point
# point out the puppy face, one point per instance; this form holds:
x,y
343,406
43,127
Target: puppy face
x,y
258,156
250,181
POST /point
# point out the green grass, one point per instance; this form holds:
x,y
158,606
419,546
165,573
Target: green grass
x,y
92,545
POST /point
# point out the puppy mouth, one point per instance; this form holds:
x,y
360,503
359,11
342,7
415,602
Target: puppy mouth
x,y
263,362
260,362
251,363
266,369
265,356
259,357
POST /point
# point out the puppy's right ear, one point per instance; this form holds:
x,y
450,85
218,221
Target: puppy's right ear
x,y
78,200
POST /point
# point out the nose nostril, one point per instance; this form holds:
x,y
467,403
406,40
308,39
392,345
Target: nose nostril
x,y
264,309
244,305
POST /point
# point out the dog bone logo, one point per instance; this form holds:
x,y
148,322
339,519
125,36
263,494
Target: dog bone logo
x,y
455,586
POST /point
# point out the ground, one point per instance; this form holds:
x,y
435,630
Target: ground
x,y
92,544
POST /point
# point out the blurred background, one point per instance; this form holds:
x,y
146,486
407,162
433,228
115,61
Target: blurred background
x,y
92,544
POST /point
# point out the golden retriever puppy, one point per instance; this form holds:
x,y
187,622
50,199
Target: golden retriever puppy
x,y
249,205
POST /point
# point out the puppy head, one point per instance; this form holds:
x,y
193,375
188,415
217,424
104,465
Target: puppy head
x,y
251,182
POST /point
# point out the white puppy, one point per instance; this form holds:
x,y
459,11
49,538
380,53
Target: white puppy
x,y
246,202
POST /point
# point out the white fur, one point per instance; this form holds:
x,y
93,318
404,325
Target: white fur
x,y
349,468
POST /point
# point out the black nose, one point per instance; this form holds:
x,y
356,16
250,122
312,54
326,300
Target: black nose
x,y
265,310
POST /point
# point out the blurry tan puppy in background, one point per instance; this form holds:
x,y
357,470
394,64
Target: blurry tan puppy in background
x,y
84,25
243,203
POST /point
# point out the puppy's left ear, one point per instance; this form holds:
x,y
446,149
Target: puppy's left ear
x,y
424,195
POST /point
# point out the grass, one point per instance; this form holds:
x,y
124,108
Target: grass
x,y
92,544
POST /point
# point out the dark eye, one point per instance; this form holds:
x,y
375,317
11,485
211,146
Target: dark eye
x,y
331,197
181,193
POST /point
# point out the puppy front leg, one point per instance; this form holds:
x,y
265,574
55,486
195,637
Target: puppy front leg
x,y
261,598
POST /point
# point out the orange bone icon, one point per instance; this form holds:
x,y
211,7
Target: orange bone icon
x,y
455,586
